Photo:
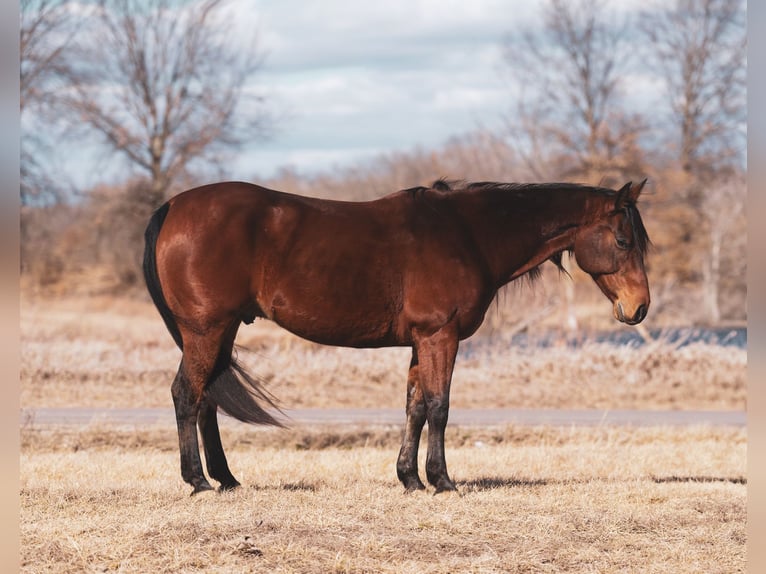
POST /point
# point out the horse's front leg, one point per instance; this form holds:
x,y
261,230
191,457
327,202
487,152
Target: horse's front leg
x,y
436,354
407,463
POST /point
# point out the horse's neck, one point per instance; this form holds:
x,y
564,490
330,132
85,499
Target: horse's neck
x,y
516,234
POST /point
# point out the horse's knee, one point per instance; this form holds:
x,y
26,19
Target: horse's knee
x,y
176,387
185,392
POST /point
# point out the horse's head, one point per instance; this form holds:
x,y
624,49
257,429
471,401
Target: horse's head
x,y
611,249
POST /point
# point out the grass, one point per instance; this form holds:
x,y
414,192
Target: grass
x,y
326,499
112,353
551,500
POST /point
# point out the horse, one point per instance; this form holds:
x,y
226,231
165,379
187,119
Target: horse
x,y
417,268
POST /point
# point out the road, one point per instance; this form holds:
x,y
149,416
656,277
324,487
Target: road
x,y
386,417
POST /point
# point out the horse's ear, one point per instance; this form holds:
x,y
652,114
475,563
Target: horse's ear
x,y
622,196
635,191
628,194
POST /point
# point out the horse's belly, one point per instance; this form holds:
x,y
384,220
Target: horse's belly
x,y
345,331
336,314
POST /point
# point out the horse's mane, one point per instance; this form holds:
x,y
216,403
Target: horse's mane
x,y
530,187
641,236
441,185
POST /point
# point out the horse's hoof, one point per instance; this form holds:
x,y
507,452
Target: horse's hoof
x,y
414,488
412,484
445,487
202,487
229,486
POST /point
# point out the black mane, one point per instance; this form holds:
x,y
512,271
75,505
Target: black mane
x,y
535,187
641,236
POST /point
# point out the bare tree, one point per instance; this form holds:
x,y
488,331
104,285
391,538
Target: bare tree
x,y
724,209
43,37
569,72
699,46
163,85
568,122
47,28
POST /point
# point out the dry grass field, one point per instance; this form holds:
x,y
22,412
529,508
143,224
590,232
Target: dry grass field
x,y
117,353
541,500
532,499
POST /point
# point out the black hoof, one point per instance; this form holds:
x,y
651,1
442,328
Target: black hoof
x,y
418,486
225,487
445,486
411,483
201,487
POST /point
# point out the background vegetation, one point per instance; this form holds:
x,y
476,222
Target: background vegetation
x,y
163,90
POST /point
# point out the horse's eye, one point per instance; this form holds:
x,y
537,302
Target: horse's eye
x,y
622,243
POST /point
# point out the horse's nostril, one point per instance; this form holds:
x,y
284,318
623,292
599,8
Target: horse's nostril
x,y
640,314
620,312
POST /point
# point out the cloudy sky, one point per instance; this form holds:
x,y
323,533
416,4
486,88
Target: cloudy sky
x,y
350,80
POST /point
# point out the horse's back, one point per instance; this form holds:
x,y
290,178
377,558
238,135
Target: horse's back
x,y
348,273
237,249
220,199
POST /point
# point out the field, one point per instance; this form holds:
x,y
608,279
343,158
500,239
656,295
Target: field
x,y
589,500
107,353
324,499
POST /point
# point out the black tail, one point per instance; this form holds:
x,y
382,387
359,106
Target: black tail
x,y
232,389
151,276
238,394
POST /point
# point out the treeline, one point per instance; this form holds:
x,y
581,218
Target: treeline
x,y
95,246
572,120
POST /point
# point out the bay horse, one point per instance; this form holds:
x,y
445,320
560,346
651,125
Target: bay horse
x,y
416,268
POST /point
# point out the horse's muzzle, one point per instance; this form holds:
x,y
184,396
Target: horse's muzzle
x,y
637,317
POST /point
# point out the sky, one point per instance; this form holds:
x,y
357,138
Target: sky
x,y
351,80
347,81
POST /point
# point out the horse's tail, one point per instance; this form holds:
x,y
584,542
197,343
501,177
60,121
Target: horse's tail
x,y
233,389
152,277
239,395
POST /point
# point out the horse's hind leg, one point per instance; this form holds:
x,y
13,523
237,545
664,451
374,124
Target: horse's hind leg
x,y
217,466
186,407
204,355
407,463
215,458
